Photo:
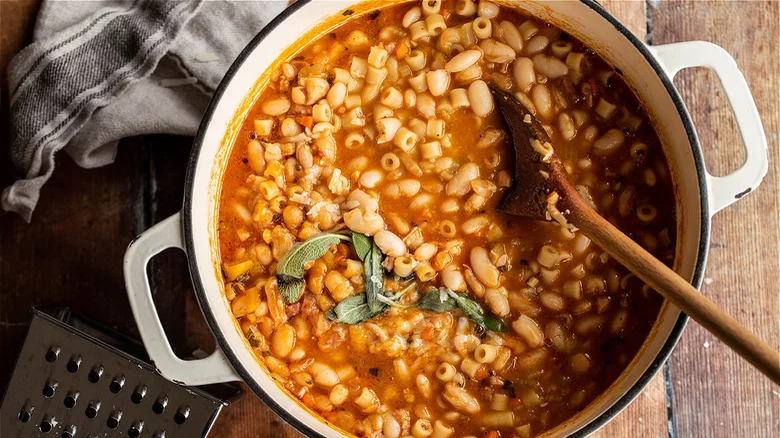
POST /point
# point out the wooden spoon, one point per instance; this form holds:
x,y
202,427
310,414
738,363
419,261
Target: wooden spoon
x,y
542,191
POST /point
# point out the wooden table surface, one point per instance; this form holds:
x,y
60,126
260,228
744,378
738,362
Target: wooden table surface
x,y
71,253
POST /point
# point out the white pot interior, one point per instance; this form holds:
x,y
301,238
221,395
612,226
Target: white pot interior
x,y
578,19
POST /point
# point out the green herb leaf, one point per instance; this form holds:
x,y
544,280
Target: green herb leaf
x,y
432,302
354,310
374,277
362,245
311,249
289,271
495,324
290,288
471,309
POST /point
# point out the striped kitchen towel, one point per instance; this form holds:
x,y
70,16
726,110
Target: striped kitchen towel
x,y
99,71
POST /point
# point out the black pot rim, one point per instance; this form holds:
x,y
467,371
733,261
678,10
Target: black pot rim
x,y
595,424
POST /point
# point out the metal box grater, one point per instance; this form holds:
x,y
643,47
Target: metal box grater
x,y
70,384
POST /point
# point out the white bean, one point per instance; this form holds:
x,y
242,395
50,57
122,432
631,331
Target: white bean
x,y
483,267
487,9
460,184
529,330
453,279
609,142
498,302
497,52
480,98
409,187
276,107
463,60
524,74
371,178
411,16
550,66
323,374
438,81
512,36
389,243
337,94
391,427
368,223
540,95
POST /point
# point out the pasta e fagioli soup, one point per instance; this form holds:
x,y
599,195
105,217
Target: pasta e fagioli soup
x,y
362,252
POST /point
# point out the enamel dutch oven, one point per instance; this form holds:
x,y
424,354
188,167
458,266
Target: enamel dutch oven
x,y
648,70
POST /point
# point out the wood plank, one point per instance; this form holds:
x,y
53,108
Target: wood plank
x,y
715,393
17,18
71,253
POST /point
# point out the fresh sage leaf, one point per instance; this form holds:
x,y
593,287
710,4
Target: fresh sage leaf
x,y
495,324
290,288
374,275
470,308
445,300
354,310
291,265
362,245
432,301
289,270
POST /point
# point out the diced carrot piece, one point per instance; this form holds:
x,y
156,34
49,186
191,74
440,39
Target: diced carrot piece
x,y
490,434
427,333
482,373
401,51
307,121
308,399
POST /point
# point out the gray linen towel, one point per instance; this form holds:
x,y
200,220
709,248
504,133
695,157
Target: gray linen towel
x,y
99,71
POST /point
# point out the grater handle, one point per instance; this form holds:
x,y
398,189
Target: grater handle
x,y
212,369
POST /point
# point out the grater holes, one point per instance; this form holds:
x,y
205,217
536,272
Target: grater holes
x,y
25,415
69,432
182,415
92,410
113,420
49,389
45,425
73,364
70,399
138,395
52,354
159,405
94,374
117,384
136,429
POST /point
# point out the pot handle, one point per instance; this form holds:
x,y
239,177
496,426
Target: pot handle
x,y
212,369
724,190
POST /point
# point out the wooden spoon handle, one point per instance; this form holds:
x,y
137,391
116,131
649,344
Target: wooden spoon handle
x,y
664,280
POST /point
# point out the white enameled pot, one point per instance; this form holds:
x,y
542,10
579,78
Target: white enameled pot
x,y
648,70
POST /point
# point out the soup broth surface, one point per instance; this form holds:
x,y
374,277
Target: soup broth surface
x,y
383,127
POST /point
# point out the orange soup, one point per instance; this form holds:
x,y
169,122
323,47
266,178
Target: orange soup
x,y
362,251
